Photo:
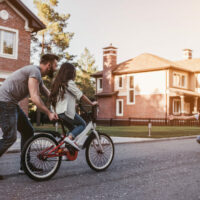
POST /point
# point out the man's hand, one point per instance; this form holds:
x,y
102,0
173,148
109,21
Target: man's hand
x,y
52,116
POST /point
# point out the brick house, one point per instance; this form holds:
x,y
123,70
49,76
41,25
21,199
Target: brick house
x,y
147,86
17,23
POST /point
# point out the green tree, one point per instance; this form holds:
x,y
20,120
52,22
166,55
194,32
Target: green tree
x,y
85,68
55,38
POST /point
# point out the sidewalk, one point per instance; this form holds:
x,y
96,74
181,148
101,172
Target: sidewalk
x,y
117,140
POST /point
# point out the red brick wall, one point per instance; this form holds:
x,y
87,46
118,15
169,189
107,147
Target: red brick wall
x,y
107,107
146,106
16,22
109,62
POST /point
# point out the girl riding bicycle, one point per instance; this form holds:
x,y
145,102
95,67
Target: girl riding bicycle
x,y
63,96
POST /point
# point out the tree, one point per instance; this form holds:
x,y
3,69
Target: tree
x,y
86,67
54,39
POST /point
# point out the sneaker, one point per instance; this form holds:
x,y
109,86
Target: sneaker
x,y
72,143
198,138
21,171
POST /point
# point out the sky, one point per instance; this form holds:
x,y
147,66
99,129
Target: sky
x,y
160,27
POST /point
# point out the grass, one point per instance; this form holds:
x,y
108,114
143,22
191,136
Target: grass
x,y
140,131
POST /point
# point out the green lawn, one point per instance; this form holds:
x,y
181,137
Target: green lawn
x,y
141,131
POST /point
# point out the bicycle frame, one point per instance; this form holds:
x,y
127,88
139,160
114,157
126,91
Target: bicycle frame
x,y
81,139
90,127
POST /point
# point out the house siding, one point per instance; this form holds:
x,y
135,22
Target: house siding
x,y
16,22
24,39
146,106
150,97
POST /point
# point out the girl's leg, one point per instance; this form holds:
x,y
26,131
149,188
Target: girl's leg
x,y
76,125
80,126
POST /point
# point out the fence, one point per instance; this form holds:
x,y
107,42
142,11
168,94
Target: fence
x,y
146,121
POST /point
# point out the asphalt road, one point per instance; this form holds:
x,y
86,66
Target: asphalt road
x,y
164,170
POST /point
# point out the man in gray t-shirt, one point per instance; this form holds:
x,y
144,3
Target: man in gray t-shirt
x,y
24,82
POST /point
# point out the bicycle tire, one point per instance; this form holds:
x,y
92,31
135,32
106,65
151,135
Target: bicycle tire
x,y
30,157
94,154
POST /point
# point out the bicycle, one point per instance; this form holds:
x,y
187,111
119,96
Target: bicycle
x,y
42,154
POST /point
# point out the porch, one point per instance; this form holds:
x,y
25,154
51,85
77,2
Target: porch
x,y
183,102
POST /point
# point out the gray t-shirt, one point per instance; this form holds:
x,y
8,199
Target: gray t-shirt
x,y
15,87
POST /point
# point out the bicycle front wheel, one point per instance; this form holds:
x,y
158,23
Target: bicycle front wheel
x,y
37,162
96,158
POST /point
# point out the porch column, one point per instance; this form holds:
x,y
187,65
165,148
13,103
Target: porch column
x,y
195,105
182,105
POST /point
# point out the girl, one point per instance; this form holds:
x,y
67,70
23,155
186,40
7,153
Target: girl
x,y
63,96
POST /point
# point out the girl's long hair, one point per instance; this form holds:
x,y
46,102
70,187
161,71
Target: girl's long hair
x,y
67,72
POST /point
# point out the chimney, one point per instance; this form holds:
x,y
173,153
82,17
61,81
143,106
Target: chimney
x,y
109,63
187,53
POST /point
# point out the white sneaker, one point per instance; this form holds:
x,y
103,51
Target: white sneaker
x,y
71,142
21,171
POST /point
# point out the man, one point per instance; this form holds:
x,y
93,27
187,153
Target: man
x,y
21,83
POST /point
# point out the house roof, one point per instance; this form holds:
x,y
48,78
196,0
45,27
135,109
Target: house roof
x,y
145,62
98,74
34,22
192,64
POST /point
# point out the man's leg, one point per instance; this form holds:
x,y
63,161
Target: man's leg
x,y
8,123
24,127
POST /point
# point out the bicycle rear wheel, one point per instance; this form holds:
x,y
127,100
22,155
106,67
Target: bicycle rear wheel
x,y
100,160
35,161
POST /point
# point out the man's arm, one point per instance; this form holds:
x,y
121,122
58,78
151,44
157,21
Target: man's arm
x,y
33,86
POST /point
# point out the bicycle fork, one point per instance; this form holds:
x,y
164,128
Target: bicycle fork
x,y
98,139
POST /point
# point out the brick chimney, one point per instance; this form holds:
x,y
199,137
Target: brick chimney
x,y
187,53
109,63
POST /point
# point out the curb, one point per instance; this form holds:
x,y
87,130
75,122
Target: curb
x,y
119,140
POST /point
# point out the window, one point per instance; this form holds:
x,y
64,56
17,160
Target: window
x,y
8,43
119,107
176,106
179,80
131,90
120,82
99,84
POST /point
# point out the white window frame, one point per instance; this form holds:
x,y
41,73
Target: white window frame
x,y
129,89
98,84
176,100
118,77
117,107
15,49
181,75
